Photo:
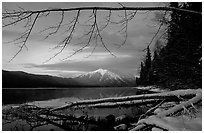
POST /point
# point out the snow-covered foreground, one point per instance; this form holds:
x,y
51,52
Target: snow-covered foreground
x,y
182,115
179,123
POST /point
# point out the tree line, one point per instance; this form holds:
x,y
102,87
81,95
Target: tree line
x,y
178,63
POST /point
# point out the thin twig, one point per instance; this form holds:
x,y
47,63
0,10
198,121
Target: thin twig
x,y
24,42
68,39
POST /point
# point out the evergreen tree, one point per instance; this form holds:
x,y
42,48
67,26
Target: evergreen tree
x,y
142,74
148,63
145,72
148,59
178,64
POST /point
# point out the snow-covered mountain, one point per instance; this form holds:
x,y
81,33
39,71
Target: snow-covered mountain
x,y
103,77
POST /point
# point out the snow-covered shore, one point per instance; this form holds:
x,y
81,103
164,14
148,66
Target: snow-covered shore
x,y
188,118
151,88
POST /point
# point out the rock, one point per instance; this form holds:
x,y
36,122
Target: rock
x,y
110,122
122,119
121,127
104,124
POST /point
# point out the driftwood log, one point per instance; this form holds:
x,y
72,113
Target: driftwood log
x,y
177,95
158,121
182,99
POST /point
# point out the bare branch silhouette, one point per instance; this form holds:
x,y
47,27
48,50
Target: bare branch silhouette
x,y
56,27
99,35
27,34
68,39
95,29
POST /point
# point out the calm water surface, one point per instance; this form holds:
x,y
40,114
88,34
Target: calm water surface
x,y
18,95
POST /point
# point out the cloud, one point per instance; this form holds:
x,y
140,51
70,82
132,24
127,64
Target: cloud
x,y
89,64
63,73
128,56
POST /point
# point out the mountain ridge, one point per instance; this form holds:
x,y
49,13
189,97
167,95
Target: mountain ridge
x,y
102,77
97,78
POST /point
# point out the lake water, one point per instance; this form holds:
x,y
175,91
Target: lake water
x,y
55,97
61,95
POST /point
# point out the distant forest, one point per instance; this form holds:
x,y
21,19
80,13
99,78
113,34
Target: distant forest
x,y
178,64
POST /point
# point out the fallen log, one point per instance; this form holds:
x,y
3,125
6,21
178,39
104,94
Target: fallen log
x,y
159,121
187,104
173,95
117,104
55,124
30,113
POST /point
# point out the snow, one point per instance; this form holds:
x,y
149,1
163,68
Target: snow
x,y
151,88
125,98
188,120
103,72
53,103
183,122
180,123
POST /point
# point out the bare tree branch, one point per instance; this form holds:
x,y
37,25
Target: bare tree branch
x,y
13,17
26,38
99,35
18,19
56,27
91,33
109,8
68,39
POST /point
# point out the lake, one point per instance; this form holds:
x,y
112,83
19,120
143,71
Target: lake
x,y
62,95
55,97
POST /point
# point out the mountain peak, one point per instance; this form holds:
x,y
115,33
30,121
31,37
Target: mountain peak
x,y
102,77
102,71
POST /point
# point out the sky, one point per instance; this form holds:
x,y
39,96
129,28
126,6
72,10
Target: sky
x,y
127,58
